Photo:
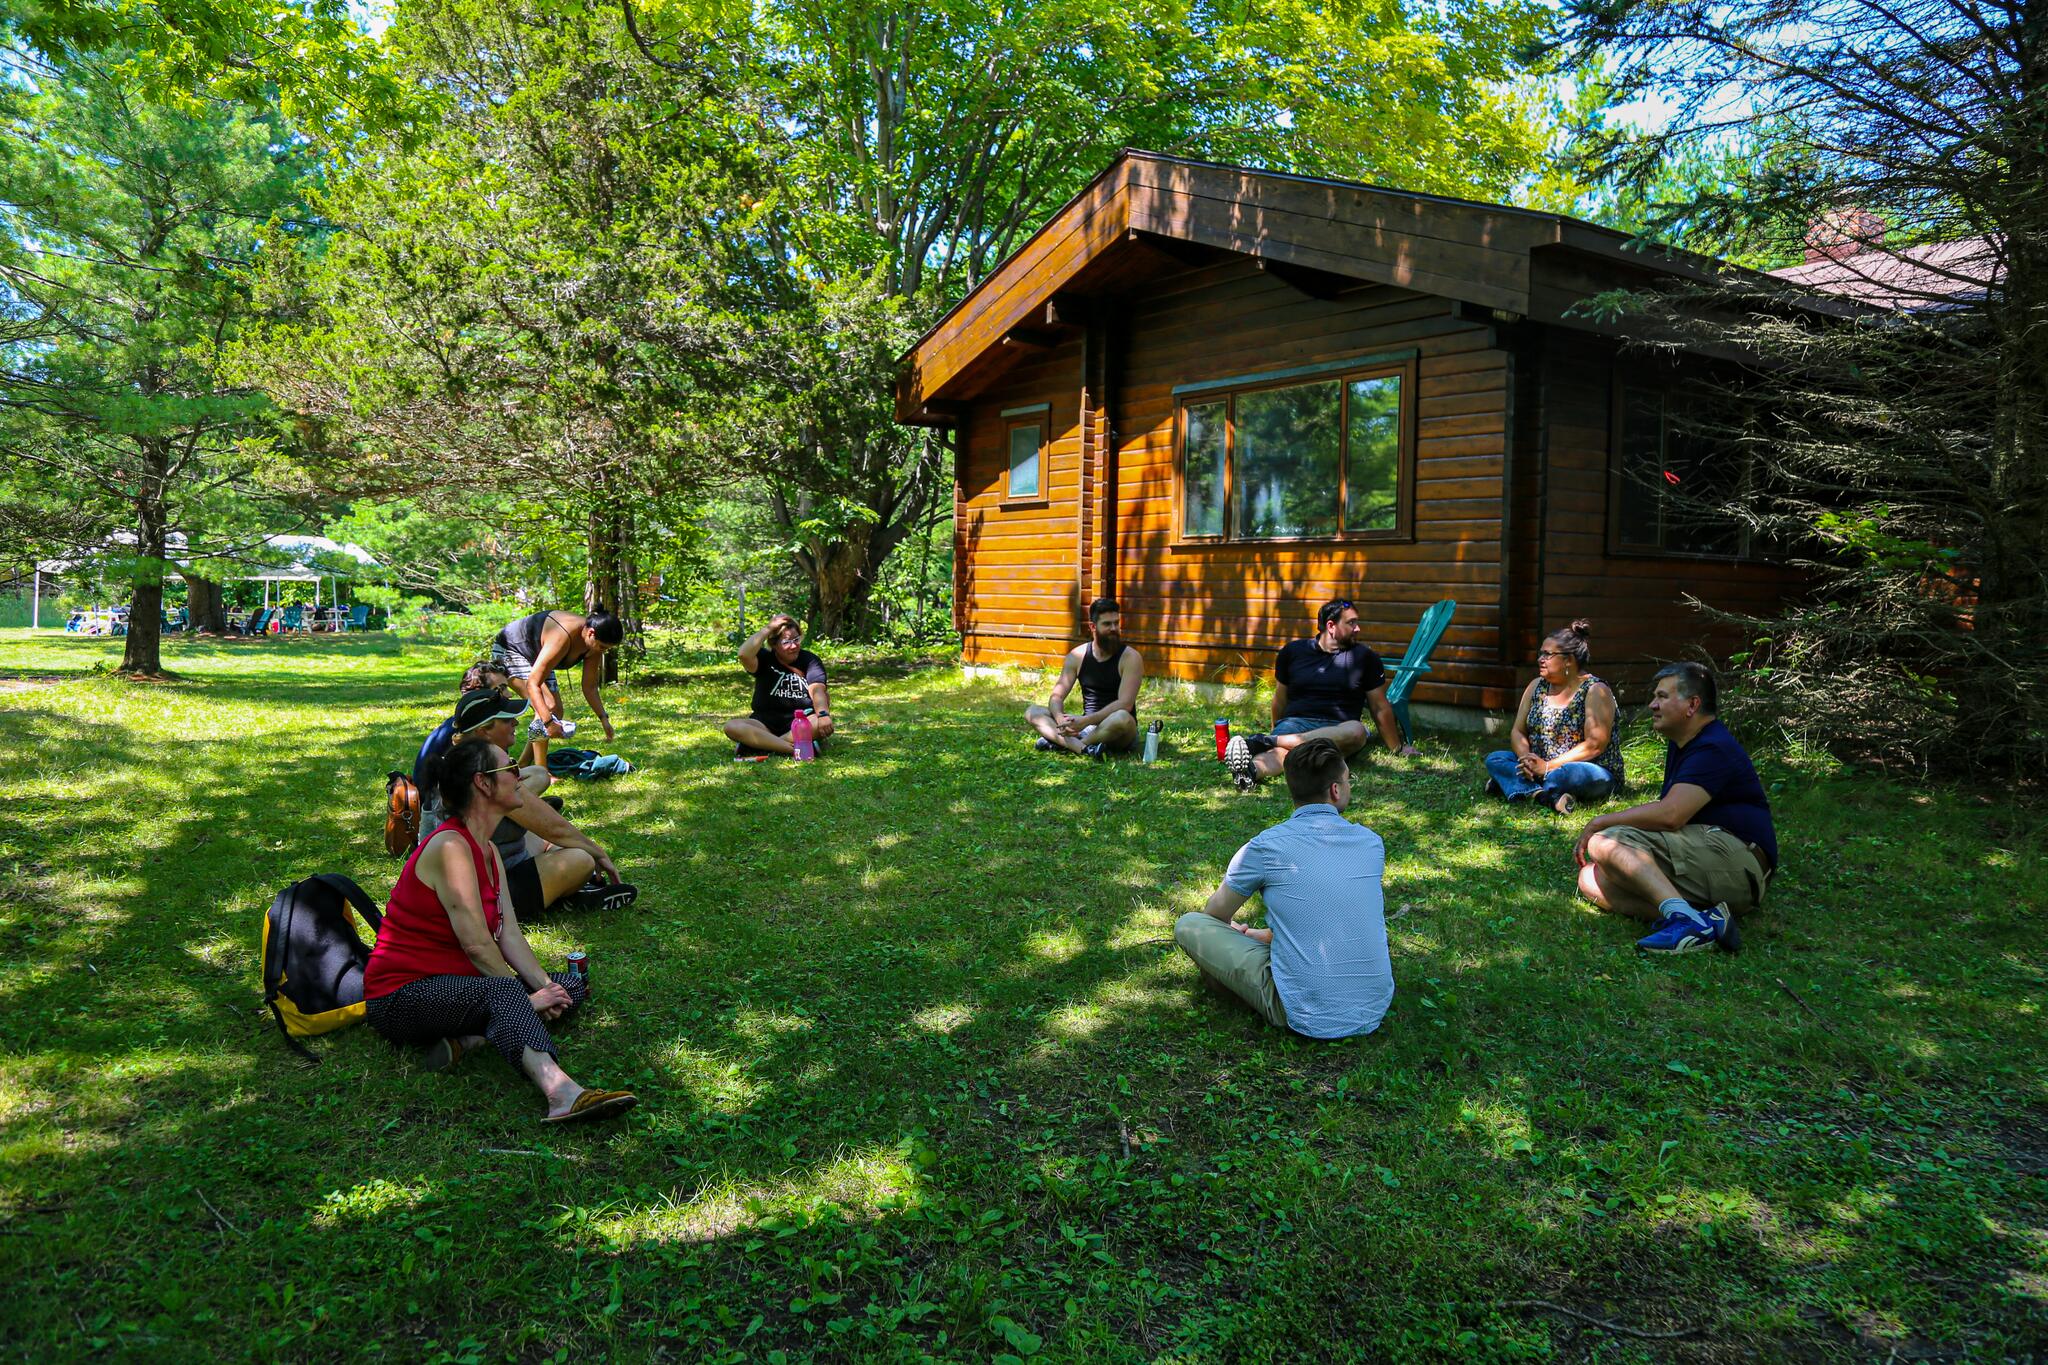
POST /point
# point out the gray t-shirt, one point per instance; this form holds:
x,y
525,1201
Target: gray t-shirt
x,y
1320,877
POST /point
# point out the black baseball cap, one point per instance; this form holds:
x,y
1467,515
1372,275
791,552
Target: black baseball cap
x,y
479,708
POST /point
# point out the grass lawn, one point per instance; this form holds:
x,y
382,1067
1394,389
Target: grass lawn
x,y
921,1075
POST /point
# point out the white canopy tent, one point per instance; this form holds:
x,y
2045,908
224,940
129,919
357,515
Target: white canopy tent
x,y
307,551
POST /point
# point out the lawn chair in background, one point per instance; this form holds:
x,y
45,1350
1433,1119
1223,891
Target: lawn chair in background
x,y
260,622
358,618
1416,661
295,619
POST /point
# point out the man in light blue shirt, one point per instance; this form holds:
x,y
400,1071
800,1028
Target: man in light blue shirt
x,y
1320,966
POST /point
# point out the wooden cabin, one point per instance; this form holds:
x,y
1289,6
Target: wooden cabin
x,y
1224,396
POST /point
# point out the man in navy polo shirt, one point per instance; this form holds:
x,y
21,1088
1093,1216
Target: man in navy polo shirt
x,y
1322,687
1704,851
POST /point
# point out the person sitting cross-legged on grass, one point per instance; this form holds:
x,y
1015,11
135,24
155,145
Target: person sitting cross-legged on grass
x,y
1704,851
1320,966
1110,673
1564,749
1322,687
787,679
451,969
548,860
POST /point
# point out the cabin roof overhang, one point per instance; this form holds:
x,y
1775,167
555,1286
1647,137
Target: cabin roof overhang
x,y
1147,214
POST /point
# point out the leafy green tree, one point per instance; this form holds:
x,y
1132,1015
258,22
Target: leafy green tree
x,y
1899,446
911,148
128,234
530,303
311,58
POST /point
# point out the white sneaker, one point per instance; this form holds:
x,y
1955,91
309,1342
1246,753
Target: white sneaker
x,y
1237,756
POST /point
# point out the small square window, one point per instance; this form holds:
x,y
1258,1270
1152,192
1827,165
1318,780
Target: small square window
x,y
1026,443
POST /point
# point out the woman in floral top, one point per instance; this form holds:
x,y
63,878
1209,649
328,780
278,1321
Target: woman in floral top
x,y
1564,749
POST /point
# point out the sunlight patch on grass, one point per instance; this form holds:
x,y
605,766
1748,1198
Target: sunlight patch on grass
x,y
864,1183
943,1018
373,1201
1077,1021
711,1081
876,877
1061,945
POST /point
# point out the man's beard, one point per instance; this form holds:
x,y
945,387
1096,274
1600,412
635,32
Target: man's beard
x,y
1106,643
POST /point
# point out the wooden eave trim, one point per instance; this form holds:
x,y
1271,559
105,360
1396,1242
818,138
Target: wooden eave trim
x,y
1242,381
1338,230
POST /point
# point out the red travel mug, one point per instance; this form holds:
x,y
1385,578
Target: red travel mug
x,y
1222,737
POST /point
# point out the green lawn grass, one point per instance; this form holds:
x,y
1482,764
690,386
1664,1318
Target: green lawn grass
x,y
922,1076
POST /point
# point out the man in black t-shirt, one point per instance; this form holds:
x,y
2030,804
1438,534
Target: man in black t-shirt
x,y
1704,851
787,679
1322,687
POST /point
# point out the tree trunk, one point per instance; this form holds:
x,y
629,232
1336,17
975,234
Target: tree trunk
x,y
143,652
841,580
609,580
204,605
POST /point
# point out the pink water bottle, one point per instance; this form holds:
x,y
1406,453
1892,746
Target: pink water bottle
x,y
800,737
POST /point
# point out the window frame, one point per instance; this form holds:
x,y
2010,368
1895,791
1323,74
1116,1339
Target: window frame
x,y
1618,546
1342,373
1037,415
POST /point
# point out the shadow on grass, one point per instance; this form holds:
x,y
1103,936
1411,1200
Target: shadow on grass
x,y
914,1061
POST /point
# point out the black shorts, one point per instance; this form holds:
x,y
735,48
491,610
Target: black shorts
x,y
522,880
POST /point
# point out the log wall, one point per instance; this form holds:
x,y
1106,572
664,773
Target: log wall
x,y
1217,612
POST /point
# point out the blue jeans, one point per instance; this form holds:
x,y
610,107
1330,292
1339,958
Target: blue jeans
x,y
1301,725
1582,781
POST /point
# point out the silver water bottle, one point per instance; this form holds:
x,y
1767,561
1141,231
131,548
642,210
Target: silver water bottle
x,y
1152,742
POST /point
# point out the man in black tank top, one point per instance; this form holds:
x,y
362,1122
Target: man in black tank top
x,y
1109,672
533,647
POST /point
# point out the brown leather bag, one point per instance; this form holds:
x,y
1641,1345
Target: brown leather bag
x,y
401,815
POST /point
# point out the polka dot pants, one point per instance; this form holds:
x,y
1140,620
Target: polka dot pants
x,y
437,1007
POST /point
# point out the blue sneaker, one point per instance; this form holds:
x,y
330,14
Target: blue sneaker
x,y
1686,931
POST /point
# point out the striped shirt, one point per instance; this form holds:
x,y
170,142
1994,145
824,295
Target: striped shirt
x,y
1320,877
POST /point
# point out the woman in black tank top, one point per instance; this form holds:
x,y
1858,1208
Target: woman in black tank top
x,y
525,636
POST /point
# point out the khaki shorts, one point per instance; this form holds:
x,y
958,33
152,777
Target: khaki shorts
x,y
1707,864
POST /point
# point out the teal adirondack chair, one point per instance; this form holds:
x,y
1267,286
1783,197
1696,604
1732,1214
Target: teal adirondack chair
x,y
1416,661
294,618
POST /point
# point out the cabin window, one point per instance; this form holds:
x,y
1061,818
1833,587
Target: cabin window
x,y
1208,426
1027,442
1673,484
1310,460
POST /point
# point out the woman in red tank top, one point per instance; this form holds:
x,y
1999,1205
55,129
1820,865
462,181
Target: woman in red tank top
x,y
451,969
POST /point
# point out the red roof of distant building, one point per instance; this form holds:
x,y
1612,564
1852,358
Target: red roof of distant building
x,y
1938,275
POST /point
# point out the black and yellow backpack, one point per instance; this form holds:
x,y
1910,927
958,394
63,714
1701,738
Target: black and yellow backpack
x,y
313,958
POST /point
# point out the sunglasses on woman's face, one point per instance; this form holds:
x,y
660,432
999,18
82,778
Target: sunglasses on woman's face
x,y
493,772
